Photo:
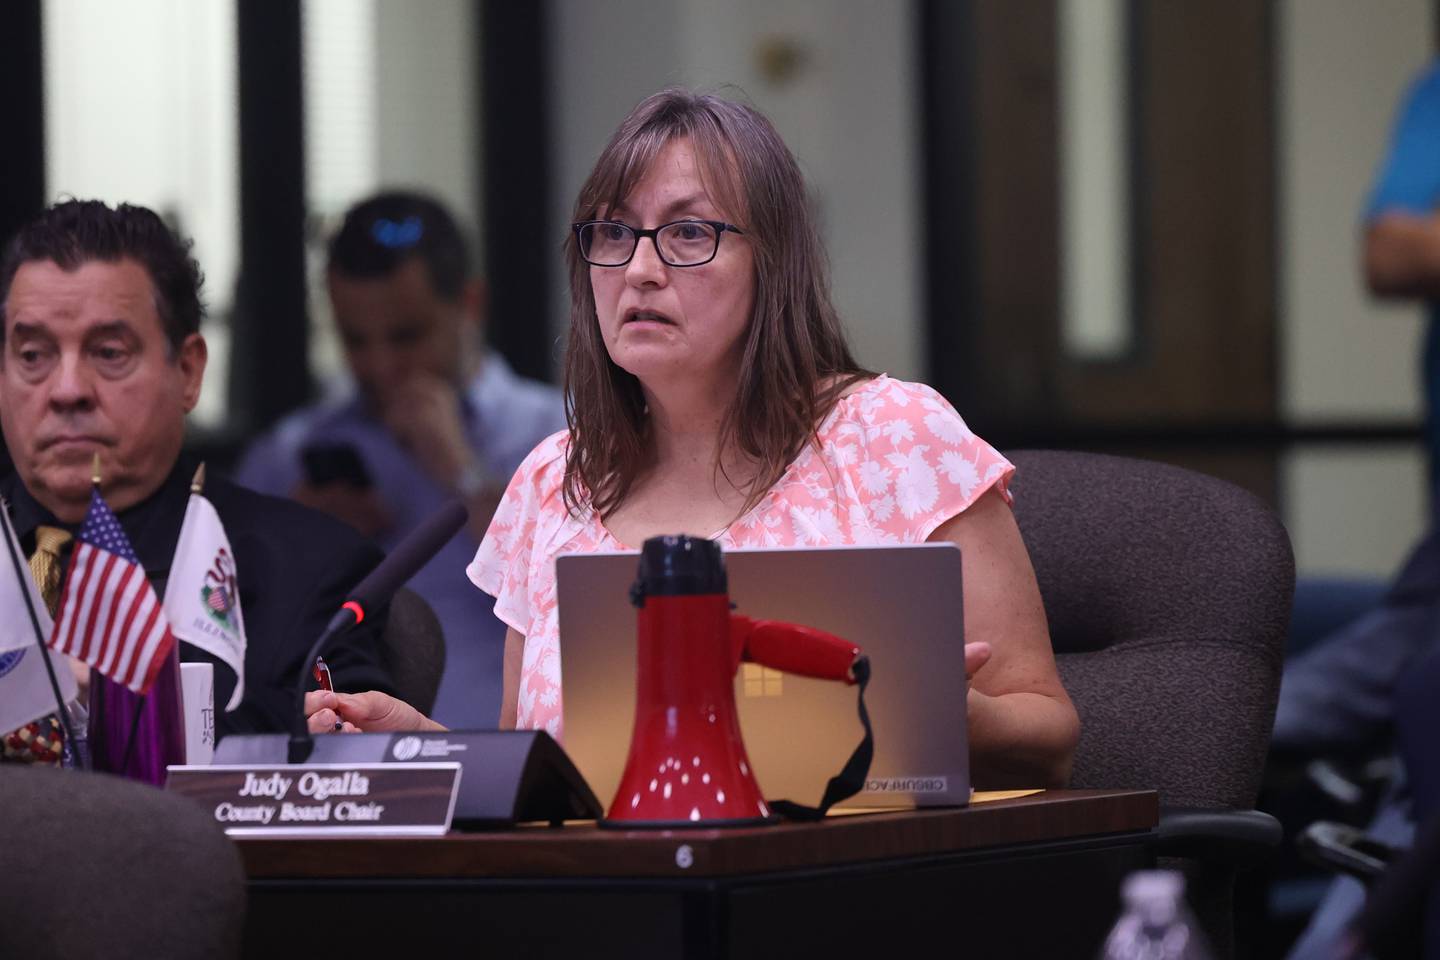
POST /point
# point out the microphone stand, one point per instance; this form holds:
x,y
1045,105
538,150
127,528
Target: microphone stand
x,y
418,547
302,741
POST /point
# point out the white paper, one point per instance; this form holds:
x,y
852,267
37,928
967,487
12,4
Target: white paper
x,y
197,694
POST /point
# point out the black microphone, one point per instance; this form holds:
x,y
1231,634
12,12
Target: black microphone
x,y
389,575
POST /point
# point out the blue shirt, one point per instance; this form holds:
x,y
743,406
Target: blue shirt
x,y
505,416
1409,182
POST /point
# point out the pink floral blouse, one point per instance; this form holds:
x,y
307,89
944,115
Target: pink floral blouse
x,y
894,462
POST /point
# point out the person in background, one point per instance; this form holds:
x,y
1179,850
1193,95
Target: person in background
x,y
432,416
1337,697
710,391
101,354
1402,236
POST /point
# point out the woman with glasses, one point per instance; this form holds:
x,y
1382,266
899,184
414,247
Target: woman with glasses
x,y
710,391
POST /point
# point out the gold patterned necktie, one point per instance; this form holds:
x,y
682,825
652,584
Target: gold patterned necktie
x,y
45,563
41,741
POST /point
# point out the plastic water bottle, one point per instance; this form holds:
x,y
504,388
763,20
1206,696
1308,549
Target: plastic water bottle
x,y
1155,923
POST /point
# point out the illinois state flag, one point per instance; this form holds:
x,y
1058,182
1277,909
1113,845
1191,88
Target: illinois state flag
x,y
25,691
109,615
202,598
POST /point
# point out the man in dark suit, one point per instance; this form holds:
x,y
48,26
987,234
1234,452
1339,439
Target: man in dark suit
x,y
100,353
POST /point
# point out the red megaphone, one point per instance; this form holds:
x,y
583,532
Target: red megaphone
x,y
687,762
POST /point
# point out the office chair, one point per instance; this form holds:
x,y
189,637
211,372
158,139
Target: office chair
x,y
413,649
1168,596
96,866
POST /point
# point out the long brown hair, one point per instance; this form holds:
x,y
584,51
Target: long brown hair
x,y
796,362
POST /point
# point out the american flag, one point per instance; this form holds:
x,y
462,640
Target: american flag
x,y
109,615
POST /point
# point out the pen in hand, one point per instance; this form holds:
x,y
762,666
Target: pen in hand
x,y
321,670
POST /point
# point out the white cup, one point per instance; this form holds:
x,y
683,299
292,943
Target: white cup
x,y
197,693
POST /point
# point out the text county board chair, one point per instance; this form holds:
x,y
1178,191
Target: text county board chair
x,y
412,649
95,866
1168,596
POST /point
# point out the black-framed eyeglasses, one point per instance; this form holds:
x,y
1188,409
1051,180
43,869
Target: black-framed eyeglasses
x,y
680,243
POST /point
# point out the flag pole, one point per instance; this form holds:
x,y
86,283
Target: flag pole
x,y
62,711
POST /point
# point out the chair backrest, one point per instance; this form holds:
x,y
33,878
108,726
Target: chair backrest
x,y
96,866
1168,595
413,649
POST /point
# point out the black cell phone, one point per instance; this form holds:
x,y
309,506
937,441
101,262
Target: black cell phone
x,y
327,463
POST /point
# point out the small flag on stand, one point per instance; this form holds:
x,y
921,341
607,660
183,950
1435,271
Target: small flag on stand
x,y
109,615
25,691
202,596
18,596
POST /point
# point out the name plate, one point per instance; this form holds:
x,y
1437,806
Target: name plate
x,y
364,799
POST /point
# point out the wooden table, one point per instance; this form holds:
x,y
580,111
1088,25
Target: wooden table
x,y
1033,876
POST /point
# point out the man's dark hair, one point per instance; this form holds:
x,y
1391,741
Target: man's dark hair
x,y
74,232
383,232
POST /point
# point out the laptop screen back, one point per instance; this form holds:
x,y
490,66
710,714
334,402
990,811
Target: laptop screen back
x,y
900,604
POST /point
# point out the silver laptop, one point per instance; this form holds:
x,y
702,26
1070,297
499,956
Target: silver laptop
x,y
901,604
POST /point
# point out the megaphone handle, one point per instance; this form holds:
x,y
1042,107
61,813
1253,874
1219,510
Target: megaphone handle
x,y
851,777
792,648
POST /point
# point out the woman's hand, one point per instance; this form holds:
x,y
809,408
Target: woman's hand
x,y
320,715
371,711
